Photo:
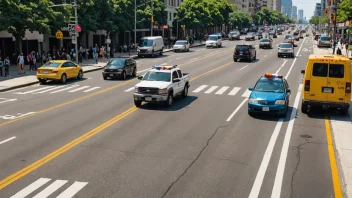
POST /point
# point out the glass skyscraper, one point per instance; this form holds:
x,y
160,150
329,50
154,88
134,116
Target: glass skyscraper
x,y
286,7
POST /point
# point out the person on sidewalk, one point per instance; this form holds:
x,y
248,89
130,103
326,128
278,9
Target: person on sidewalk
x,y
1,66
34,59
338,52
95,54
7,66
20,62
346,46
30,61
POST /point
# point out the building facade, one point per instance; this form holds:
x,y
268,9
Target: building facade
x,y
286,7
294,12
317,11
300,15
277,5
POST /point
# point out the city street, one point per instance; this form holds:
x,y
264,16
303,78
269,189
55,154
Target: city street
x,y
87,139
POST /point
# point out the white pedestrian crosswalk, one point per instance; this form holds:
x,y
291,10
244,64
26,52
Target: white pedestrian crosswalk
x,y
58,88
69,192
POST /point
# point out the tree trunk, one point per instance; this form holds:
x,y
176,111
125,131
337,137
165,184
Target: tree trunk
x,y
19,44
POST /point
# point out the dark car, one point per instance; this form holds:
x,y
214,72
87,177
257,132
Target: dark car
x,y
279,32
266,43
120,67
244,52
296,35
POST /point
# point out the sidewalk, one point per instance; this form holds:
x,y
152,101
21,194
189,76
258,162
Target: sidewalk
x,y
342,135
324,50
14,80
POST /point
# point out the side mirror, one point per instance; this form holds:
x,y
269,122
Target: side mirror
x,y
288,90
140,77
303,71
176,80
251,89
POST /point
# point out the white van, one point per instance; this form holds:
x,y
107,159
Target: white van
x,y
151,46
214,40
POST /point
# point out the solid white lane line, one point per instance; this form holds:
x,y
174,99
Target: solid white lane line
x,y
294,61
143,70
237,109
78,89
200,88
50,189
211,89
91,89
48,87
283,64
9,139
283,156
72,190
178,58
130,89
67,88
265,161
47,90
7,100
234,91
243,68
32,187
246,93
265,56
222,90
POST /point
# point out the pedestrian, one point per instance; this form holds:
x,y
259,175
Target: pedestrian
x,y
1,66
43,58
30,61
34,60
39,58
338,52
346,46
20,62
7,65
95,54
101,52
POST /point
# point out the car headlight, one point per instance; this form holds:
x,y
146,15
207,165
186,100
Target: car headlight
x,y
136,90
163,91
149,49
280,102
254,101
120,70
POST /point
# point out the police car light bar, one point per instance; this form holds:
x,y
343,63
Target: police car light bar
x,y
269,75
164,67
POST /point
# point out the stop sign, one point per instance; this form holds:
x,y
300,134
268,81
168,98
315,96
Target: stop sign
x,y
78,28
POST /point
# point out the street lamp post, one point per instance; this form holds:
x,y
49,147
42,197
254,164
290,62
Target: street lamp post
x,y
151,21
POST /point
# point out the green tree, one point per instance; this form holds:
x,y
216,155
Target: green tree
x,y
17,16
344,12
240,19
144,13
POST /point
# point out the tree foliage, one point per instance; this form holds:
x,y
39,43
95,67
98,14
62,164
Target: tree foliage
x,y
316,20
345,11
240,19
270,17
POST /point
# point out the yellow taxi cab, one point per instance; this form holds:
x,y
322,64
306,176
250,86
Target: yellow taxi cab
x,y
326,83
59,70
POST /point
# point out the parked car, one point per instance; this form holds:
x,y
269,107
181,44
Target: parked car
x,y
181,45
244,52
250,36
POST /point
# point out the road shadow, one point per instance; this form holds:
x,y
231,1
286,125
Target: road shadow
x,y
179,103
319,113
68,82
274,117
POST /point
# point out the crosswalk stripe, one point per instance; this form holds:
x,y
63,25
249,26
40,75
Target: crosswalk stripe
x,y
130,89
27,92
72,190
234,91
91,89
32,187
50,189
200,88
222,90
246,93
78,89
67,88
211,89
47,90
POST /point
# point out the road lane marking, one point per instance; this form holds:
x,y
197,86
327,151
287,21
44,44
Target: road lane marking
x,y
47,90
78,89
91,89
243,68
143,70
12,117
276,192
72,190
265,56
27,92
210,71
246,93
265,161
294,61
237,109
7,100
283,64
67,88
200,88
234,91
178,58
333,163
32,187
211,89
50,189
129,89
9,139
222,90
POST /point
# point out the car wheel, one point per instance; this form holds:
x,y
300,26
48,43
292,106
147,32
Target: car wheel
x,y
153,55
278,56
250,114
124,75
104,77
304,108
169,99
63,78
134,73
255,56
217,46
185,91
161,52
80,75
43,81
137,103
235,60
344,111
188,50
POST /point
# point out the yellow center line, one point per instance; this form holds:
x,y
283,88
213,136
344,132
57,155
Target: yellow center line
x,y
333,163
30,168
93,94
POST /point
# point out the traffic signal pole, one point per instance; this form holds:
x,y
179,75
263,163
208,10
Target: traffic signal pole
x,y
334,34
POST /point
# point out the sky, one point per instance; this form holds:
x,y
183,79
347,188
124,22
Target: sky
x,y
307,5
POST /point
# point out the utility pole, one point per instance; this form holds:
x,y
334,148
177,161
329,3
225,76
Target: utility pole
x,y
334,34
76,24
135,25
152,20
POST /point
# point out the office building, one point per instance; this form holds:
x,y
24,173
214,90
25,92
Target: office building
x,y
300,15
294,12
286,7
317,11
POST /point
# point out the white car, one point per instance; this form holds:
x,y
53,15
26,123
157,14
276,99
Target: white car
x,y
181,45
214,40
160,85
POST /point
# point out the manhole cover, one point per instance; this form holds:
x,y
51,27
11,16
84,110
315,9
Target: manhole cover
x,y
306,136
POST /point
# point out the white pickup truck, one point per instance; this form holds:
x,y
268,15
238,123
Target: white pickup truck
x,y
160,85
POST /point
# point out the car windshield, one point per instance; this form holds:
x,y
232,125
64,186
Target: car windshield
x,y
287,36
325,38
52,64
213,38
157,76
241,47
180,43
233,33
249,34
269,86
117,63
265,40
146,43
285,45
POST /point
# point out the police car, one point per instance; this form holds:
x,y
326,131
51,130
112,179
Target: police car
x,y
270,94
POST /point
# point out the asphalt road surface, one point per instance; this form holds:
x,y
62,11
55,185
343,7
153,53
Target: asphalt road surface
x,y
86,139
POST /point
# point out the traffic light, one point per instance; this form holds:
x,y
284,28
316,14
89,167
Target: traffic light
x,y
333,17
326,11
152,19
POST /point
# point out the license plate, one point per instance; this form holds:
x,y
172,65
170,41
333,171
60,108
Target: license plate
x,y
45,72
327,90
148,98
241,53
265,109
111,74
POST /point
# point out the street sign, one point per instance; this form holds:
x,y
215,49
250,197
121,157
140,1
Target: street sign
x,y
59,35
71,28
73,40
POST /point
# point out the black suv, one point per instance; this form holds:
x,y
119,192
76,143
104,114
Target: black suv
x,y
246,52
120,67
